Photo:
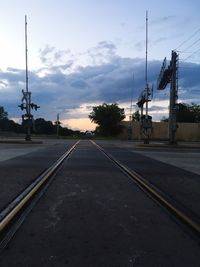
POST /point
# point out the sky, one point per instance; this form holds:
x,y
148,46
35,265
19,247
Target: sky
x,y
82,53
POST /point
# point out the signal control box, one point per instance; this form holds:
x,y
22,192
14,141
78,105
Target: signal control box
x,y
146,122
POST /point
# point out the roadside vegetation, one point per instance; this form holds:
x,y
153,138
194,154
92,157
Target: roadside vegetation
x,y
108,118
40,126
185,113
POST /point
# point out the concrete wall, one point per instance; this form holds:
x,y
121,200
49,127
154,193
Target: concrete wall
x,y
185,131
188,131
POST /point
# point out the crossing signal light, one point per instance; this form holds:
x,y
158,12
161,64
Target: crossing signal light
x,y
34,106
22,106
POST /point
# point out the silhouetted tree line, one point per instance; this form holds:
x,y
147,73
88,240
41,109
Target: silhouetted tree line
x,y
184,113
40,126
187,113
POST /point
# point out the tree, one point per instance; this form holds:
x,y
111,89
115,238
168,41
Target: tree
x,y
64,131
164,119
8,125
187,113
195,110
136,116
184,113
43,127
3,113
108,118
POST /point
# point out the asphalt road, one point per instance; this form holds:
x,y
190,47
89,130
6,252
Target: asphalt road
x,y
170,171
93,215
22,163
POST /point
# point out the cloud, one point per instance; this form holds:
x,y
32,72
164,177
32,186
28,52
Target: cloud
x,y
188,73
156,108
111,79
49,55
67,108
140,45
102,53
160,21
164,19
45,52
159,40
3,84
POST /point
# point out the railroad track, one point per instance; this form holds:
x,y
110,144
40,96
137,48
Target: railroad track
x,y
15,213
155,194
12,216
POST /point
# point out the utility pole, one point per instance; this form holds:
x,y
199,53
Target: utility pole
x,y
27,118
166,76
173,98
131,113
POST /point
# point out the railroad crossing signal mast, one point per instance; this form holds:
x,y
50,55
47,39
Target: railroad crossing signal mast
x,y
57,125
146,120
27,105
170,75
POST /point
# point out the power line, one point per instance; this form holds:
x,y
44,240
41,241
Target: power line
x,y
182,52
194,68
188,39
198,50
192,45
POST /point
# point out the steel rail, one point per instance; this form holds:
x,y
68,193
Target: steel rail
x,y
156,195
14,208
